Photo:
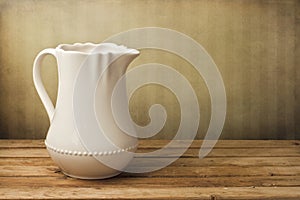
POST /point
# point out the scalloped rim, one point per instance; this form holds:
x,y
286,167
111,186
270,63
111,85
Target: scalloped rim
x,y
115,48
79,153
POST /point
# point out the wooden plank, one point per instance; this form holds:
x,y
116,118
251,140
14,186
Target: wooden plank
x,y
262,193
161,143
24,152
242,152
22,143
224,161
226,143
182,162
219,171
27,161
8,170
122,181
206,171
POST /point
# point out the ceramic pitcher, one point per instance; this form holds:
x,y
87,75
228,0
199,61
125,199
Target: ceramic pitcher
x,y
83,138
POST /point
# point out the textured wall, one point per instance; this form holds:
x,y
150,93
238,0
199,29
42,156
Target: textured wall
x,y
255,44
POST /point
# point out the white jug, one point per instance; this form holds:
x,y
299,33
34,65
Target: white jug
x,y
83,138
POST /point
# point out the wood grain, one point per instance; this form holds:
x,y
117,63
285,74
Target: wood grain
x,y
182,162
252,175
206,171
241,152
160,143
207,193
152,182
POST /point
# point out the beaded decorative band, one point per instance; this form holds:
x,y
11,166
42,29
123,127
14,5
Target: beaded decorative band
x,y
79,153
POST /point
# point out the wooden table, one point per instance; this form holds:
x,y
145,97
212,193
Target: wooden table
x,y
233,170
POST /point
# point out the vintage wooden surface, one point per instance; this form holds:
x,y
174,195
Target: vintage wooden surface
x,y
235,169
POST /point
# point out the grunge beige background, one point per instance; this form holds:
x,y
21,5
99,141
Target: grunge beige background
x,y
254,43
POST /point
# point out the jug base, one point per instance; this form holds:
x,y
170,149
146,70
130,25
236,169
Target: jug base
x,y
91,177
88,166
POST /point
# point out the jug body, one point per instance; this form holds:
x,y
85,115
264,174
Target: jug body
x,y
83,139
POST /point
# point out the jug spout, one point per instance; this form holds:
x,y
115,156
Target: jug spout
x,y
123,60
113,54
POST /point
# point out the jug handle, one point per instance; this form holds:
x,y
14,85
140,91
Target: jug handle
x,y
38,83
